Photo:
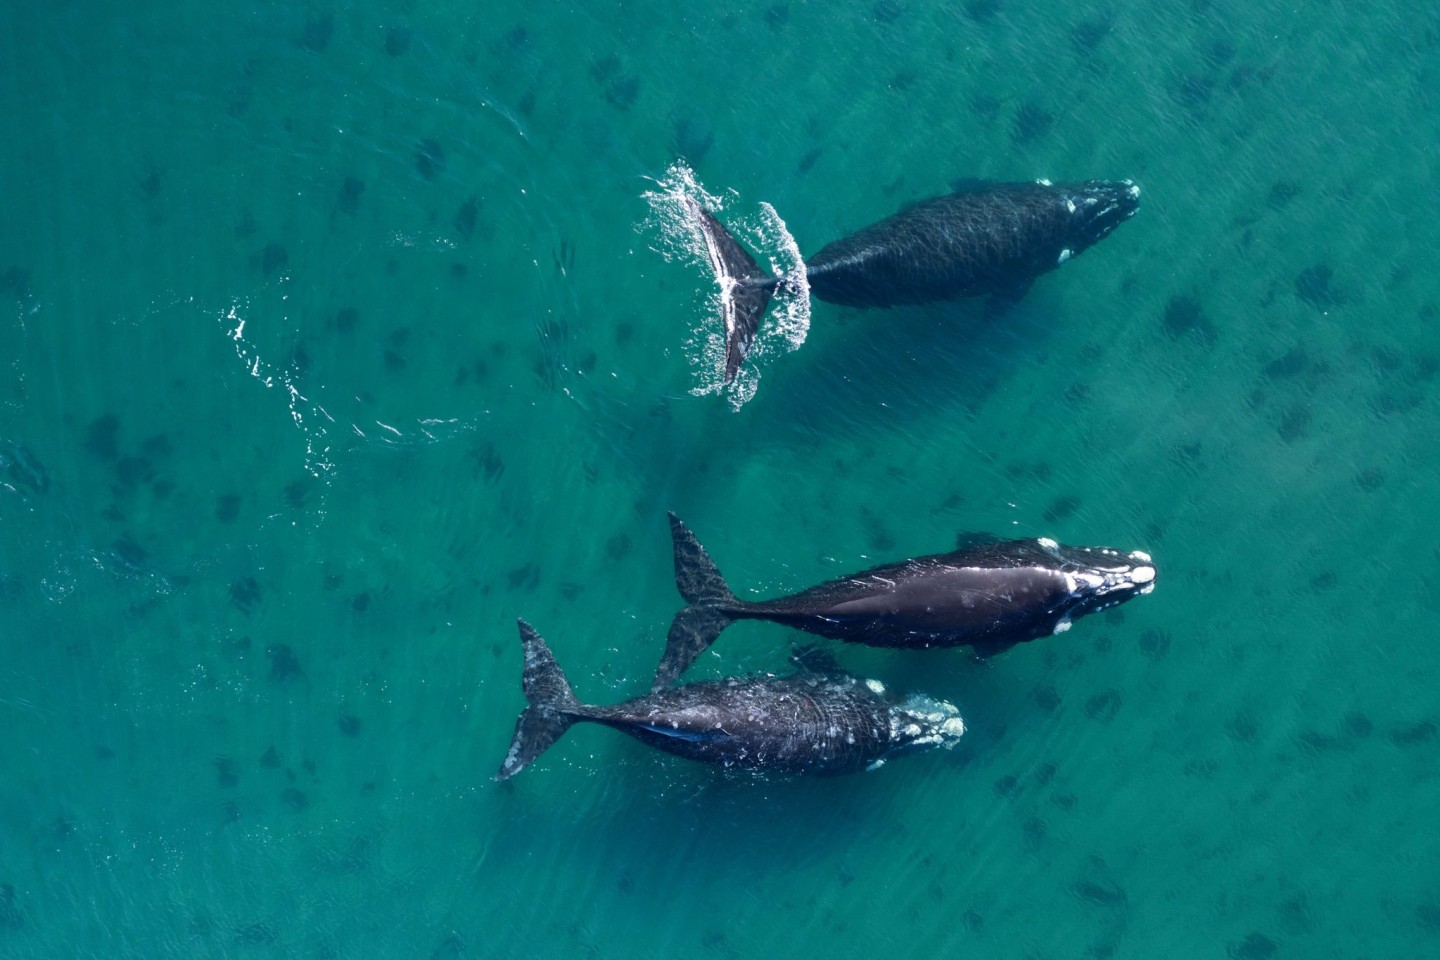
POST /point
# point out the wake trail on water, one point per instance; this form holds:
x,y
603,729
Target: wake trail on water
x,y
676,233
323,432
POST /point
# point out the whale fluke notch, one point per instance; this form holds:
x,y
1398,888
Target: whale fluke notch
x,y
711,606
551,709
745,289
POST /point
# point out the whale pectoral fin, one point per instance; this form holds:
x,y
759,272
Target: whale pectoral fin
x,y
986,649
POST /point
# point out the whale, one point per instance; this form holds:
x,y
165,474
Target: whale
x,y
985,239
989,594
816,723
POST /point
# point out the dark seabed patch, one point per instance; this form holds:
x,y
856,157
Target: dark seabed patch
x,y
1255,946
348,202
1183,317
11,919
397,40
1315,286
284,664
429,158
317,33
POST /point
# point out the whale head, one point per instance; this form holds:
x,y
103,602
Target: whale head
x,y
1097,578
922,722
1096,208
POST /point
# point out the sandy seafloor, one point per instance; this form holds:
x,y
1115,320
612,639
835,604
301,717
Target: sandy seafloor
x,y
334,338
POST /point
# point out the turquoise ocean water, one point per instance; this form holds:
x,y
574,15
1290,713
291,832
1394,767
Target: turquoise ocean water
x,y
333,338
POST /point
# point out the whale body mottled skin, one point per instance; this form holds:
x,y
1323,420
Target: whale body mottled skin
x,y
990,595
992,239
808,723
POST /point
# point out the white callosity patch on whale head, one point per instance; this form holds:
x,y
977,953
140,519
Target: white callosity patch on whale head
x,y
1044,182
1132,188
1083,581
1065,254
1062,626
876,687
1143,573
1047,543
1070,204
924,721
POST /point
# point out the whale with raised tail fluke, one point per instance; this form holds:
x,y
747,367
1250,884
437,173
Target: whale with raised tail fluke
x,y
984,240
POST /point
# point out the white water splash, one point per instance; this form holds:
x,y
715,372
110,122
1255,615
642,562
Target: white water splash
x,y
310,418
314,421
790,307
676,236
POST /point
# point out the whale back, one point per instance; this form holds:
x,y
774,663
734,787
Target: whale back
x,y
805,723
988,595
992,241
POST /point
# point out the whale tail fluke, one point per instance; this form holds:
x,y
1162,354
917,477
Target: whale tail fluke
x,y
696,576
745,288
691,633
712,606
551,709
